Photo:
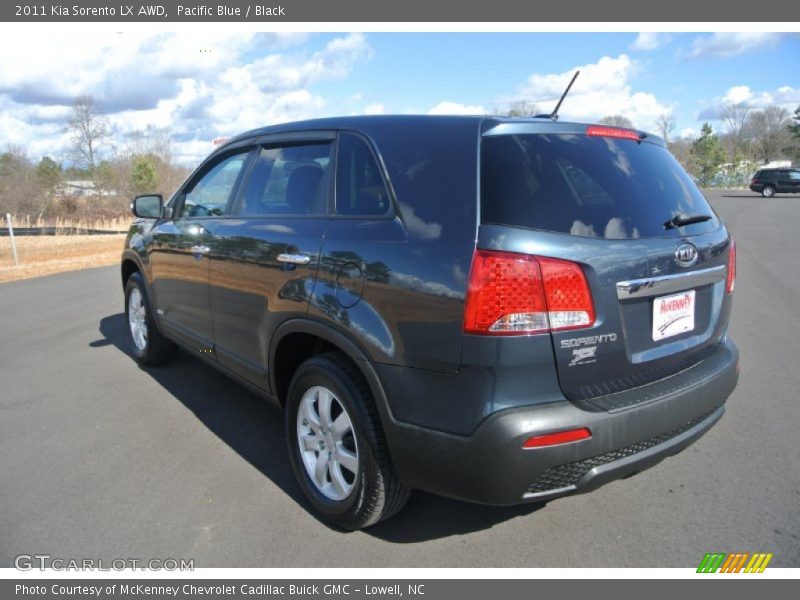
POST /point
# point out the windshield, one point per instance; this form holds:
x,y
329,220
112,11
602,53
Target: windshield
x,y
588,186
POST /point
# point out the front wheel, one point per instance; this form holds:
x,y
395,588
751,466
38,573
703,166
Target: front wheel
x,y
768,191
336,444
148,345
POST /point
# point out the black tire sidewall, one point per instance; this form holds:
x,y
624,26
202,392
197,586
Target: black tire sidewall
x,y
330,376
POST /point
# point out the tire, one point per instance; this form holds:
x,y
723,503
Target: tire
x,y
768,191
339,456
148,345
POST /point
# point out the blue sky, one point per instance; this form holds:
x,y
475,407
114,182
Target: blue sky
x,y
198,87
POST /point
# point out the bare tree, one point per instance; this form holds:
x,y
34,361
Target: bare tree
x,y
617,121
517,108
523,108
666,124
770,131
88,127
681,149
20,192
735,117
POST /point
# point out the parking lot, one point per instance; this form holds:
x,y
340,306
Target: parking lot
x,y
101,459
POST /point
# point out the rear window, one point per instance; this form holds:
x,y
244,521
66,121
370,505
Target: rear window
x,y
587,186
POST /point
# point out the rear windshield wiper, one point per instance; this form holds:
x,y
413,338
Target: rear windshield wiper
x,y
681,220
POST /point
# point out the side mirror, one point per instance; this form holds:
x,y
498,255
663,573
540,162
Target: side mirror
x,y
150,206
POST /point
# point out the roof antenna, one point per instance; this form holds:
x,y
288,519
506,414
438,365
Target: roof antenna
x,y
554,115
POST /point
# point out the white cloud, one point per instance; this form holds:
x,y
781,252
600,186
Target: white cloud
x,y
650,40
376,108
725,44
456,108
197,88
785,96
603,88
689,133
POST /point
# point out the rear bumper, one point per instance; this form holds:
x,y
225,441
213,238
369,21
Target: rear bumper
x,y
491,467
756,187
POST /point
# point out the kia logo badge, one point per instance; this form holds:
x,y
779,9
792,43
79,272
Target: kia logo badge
x,y
686,255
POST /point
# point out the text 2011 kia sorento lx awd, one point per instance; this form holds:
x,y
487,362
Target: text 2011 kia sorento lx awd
x,y
496,310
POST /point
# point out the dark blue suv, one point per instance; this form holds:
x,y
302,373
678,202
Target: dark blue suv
x,y
496,310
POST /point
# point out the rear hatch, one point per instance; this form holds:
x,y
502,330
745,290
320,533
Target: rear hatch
x,y
653,252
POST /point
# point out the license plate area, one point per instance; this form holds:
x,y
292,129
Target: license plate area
x,y
673,314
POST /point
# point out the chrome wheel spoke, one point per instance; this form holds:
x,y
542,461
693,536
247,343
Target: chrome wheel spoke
x,y
321,470
347,459
324,402
310,443
337,479
341,426
311,416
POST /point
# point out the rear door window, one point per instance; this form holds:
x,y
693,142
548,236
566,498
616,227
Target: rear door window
x,y
289,180
587,186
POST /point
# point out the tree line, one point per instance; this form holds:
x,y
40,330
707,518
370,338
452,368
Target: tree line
x,y
143,163
111,171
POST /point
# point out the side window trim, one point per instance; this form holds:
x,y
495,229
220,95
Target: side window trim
x,y
391,211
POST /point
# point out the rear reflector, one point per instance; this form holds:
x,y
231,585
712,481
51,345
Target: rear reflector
x,y
554,439
512,294
731,280
614,132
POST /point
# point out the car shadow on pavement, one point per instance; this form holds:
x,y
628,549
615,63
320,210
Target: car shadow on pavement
x,y
254,429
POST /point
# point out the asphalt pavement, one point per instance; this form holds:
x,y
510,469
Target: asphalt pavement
x,y
102,459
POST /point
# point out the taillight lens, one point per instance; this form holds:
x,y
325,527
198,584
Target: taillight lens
x,y
569,301
512,294
731,280
613,132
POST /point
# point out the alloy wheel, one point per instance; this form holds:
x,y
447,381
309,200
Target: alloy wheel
x,y
327,443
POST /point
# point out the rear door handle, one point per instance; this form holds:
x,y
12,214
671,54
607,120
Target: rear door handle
x,y
294,259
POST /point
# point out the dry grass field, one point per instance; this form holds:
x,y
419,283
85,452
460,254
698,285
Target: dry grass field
x,y
47,254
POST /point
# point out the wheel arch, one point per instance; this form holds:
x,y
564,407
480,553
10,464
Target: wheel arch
x,y
128,267
327,339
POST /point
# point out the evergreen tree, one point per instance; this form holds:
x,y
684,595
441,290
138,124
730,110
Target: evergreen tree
x,y
707,155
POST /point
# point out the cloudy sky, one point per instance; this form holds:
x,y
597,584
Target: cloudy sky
x,y
199,87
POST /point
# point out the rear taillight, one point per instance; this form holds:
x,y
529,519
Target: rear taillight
x,y
513,294
730,282
754,180
569,301
613,132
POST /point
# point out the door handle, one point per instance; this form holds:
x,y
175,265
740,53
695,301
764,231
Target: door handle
x,y
294,259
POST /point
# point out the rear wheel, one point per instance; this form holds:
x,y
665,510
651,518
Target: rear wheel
x,y
149,347
768,191
336,444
